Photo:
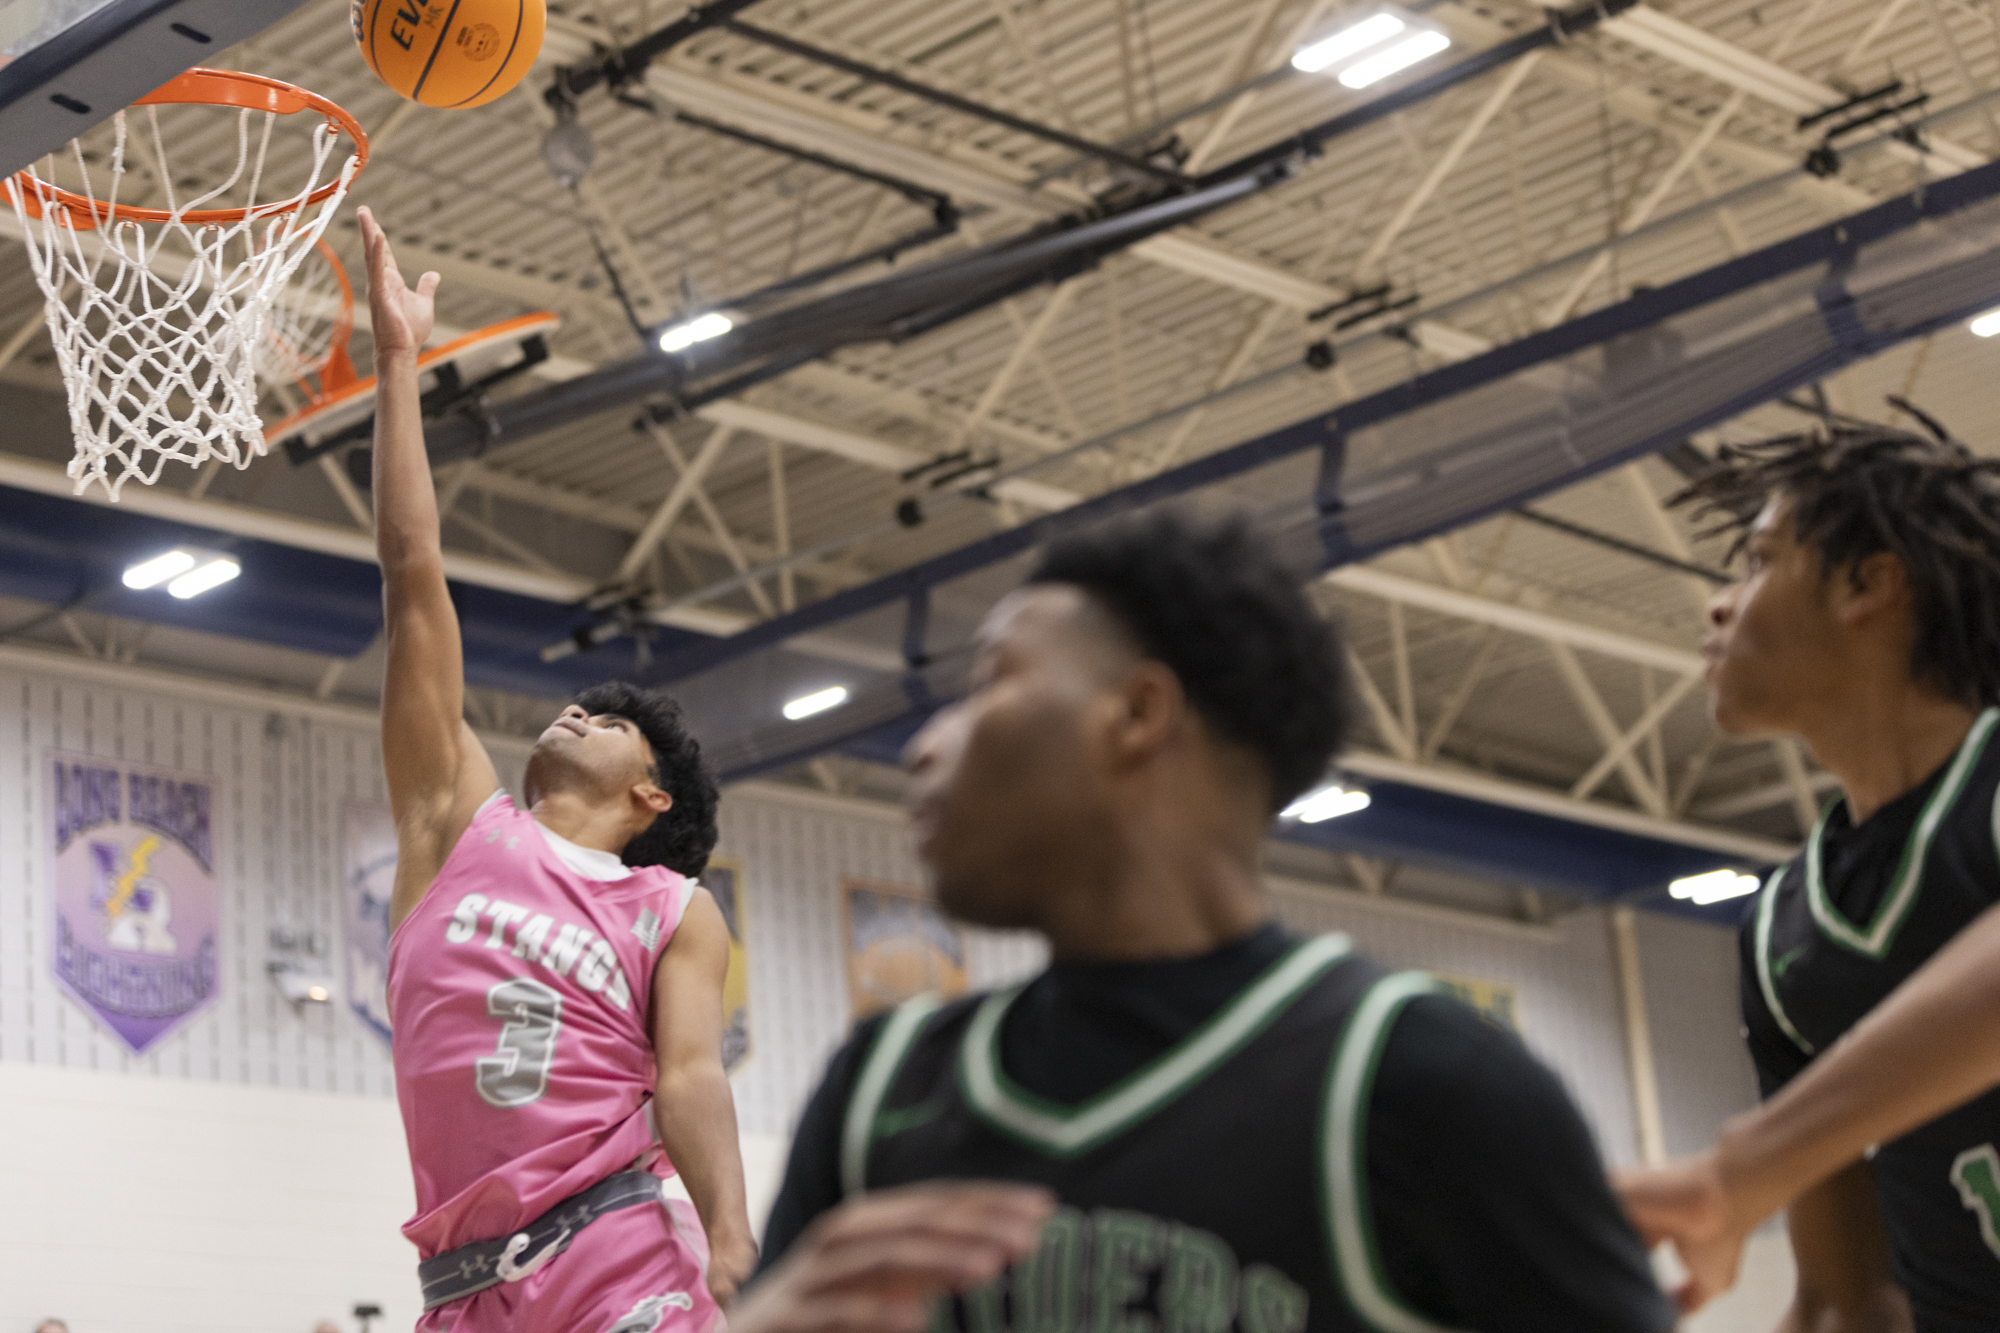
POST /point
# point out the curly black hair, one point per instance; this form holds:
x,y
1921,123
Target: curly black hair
x,y
1857,489
683,837
1217,606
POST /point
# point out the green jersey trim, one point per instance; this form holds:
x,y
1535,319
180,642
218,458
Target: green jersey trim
x,y
1874,940
892,1043
1350,1222
1061,1131
1767,905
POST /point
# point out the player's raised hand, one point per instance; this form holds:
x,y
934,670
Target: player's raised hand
x,y
873,1265
1688,1205
401,318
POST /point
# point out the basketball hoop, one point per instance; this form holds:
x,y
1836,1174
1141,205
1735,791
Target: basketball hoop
x,y
160,315
308,326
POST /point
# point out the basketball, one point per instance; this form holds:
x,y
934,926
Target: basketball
x,y
450,53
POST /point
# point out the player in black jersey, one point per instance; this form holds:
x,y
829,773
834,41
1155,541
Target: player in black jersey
x,y
1245,1130
1867,623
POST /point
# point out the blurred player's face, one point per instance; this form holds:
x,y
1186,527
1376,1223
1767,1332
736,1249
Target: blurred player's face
x,y
1772,646
603,756
1011,791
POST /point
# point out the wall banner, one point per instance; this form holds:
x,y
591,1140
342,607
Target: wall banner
x,y
368,876
723,878
899,944
138,911
1492,1000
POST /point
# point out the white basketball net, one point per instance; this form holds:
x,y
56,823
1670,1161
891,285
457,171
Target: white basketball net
x,y
299,329
159,326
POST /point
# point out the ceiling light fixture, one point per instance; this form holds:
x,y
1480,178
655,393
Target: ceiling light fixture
x,y
680,337
1348,42
158,569
204,577
1714,887
1986,325
1324,803
1401,56
817,702
187,573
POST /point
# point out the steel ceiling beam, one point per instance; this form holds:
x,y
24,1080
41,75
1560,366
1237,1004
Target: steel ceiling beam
x,y
1819,245
1521,796
1560,26
285,530
1535,624
1767,80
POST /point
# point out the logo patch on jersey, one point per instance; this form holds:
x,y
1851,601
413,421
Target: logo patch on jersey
x,y
647,928
648,1313
1783,962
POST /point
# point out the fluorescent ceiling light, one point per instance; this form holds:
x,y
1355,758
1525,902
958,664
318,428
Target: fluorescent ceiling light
x,y
1400,56
1714,887
1986,325
160,568
1349,41
817,702
200,579
1329,802
683,336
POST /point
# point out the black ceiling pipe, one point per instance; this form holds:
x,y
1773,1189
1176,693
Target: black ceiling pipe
x,y
891,310
965,105
924,298
625,64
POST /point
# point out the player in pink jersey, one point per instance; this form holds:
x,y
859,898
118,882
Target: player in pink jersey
x,y
555,974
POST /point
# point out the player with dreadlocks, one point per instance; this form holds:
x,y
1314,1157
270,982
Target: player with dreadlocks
x,y
1867,623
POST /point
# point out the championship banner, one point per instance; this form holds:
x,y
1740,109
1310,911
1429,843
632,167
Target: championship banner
x,y
138,911
368,877
724,881
899,944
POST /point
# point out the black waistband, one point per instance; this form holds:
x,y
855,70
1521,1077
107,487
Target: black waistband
x,y
459,1273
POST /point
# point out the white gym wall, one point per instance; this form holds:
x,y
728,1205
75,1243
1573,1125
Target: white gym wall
x,y
248,1172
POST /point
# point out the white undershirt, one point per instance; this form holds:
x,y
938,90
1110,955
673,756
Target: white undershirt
x,y
590,862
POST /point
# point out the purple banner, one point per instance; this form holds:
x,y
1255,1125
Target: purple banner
x,y
368,857
137,907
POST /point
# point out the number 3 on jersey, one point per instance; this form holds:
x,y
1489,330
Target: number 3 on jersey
x,y
518,1070
1977,1175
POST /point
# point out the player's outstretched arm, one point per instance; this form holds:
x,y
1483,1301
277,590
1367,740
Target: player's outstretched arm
x,y
438,771
1934,1044
692,1103
875,1264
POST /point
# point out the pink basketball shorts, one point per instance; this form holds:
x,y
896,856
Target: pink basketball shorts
x,y
637,1270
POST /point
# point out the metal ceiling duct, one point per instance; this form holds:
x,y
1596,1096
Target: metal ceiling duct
x,y
908,304
1439,450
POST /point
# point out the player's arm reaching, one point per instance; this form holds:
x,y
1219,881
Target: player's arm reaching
x,y
1934,1044
692,1104
438,771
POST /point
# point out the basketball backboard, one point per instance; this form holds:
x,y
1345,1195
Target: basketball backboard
x,y
65,65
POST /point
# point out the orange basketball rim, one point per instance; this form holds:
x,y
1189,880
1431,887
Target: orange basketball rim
x,y
205,87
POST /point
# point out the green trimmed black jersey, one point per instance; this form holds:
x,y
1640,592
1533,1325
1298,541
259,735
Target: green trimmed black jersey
x,y
1834,931
1250,1177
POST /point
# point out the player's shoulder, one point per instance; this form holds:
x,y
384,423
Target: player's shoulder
x,y
1974,814
1440,1059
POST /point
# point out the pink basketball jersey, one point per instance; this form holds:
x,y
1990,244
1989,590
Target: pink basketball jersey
x,y
520,990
